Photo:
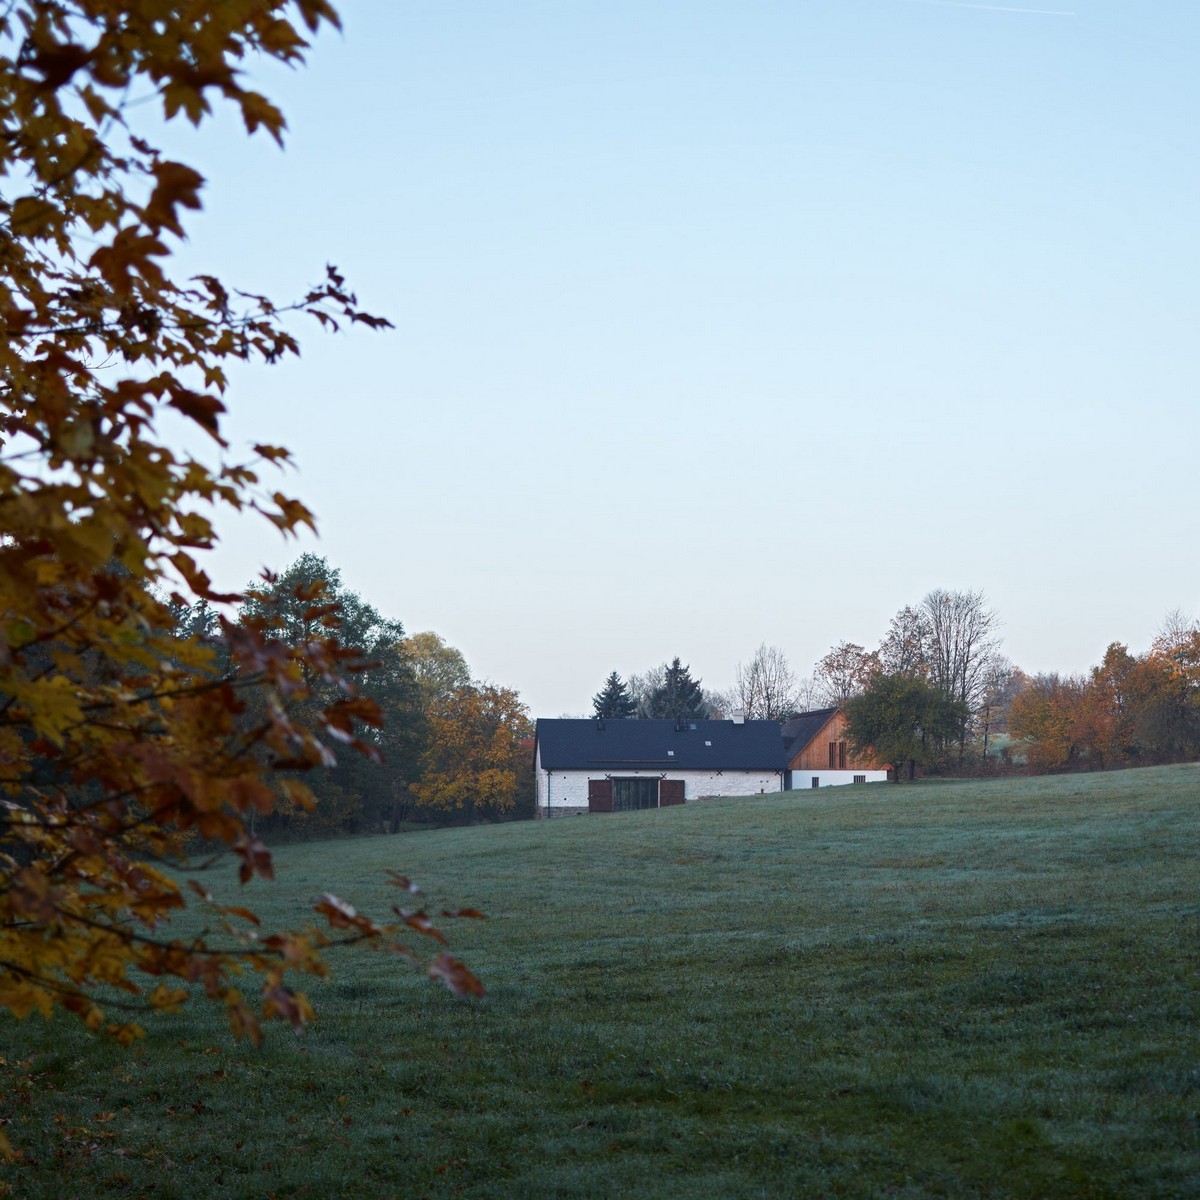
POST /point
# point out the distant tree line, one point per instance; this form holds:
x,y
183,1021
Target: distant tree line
x,y
765,688
1130,710
933,694
937,695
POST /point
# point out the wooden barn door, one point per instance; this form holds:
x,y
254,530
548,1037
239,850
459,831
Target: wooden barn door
x,y
670,791
600,795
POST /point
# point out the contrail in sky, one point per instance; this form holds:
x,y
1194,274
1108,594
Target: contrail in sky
x,y
1042,12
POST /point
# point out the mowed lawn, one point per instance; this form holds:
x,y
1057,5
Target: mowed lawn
x,y
985,989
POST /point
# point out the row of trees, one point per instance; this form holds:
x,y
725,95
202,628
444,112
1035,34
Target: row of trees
x,y
1130,710
765,687
667,691
948,639
937,692
935,688
446,748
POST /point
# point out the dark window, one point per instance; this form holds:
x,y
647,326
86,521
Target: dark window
x,y
632,794
860,779
841,756
816,781
833,756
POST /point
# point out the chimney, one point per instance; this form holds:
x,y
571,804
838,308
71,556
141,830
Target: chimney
x,y
739,716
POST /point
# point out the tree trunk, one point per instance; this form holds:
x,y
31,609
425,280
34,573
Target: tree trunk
x,y
400,805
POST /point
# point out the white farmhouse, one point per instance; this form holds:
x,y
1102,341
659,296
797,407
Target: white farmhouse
x,y
598,765
606,765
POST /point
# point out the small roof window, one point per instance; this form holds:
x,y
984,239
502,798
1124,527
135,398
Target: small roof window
x,y
708,743
670,753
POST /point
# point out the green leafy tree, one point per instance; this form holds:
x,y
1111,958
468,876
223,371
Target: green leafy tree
x,y
904,721
289,595
613,700
357,793
678,697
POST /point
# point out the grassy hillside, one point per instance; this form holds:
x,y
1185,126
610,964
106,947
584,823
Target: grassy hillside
x,y
984,989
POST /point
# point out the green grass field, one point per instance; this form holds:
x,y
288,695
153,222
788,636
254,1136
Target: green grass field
x,y
984,989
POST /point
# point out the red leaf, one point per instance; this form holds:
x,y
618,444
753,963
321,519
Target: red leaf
x,y
421,923
455,975
199,407
255,857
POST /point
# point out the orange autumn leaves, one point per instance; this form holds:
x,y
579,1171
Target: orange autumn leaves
x,y
1129,710
477,754
121,744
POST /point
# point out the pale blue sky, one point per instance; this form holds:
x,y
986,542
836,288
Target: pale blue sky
x,y
729,323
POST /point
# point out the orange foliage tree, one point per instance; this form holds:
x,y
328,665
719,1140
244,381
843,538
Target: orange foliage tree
x,y
1049,716
1109,707
478,762
119,742
1130,710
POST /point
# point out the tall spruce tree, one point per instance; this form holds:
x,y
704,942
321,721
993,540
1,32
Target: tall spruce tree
x,y
614,700
679,697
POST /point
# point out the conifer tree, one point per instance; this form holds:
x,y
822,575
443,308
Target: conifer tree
x,y
679,697
613,699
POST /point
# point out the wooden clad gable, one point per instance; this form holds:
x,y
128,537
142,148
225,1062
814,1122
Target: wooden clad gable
x,y
829,749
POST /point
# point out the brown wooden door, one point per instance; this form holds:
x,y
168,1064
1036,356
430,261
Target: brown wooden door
x,y
670,791
600,795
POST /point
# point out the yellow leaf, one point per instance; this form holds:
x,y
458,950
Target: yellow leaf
x,y
166,998
33,217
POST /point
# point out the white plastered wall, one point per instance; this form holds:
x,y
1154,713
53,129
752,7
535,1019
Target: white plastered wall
x,y
569,789
804,779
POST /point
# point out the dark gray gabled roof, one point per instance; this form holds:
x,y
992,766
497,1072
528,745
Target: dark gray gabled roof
x,y
632,745
801,730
